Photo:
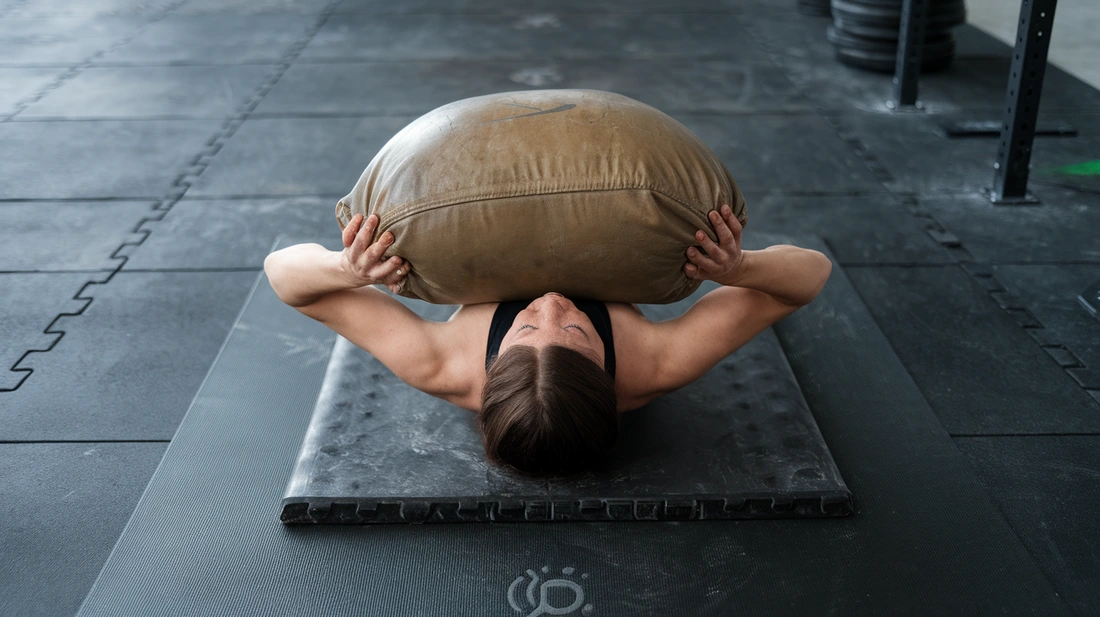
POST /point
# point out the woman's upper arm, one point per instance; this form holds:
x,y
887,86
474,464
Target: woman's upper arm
x,y
715,326
409,345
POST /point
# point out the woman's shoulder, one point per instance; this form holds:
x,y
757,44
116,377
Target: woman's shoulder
x,y
634,359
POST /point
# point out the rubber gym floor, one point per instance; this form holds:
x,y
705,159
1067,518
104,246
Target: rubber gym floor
x,y
152,152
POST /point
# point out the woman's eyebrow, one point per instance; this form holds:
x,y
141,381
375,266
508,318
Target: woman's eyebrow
x,y
536,328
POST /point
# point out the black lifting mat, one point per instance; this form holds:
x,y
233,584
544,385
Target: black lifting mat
x,y
738,443
924,539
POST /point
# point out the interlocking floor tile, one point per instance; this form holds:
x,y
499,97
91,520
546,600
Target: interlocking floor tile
x,y
28,303
669,84
977,367
60,40
21,84
252,7
91,159
130,365
38,236
157,92
63,506
1062,228
296,156
91,8
921,159
1046,488
213,39
234,233
748,147
1050,294
440,37
859,230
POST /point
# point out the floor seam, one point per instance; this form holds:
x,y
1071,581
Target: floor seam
x,y
182,182
74,71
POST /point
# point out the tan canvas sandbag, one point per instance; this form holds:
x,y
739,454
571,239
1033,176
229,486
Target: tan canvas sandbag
x,y
511,195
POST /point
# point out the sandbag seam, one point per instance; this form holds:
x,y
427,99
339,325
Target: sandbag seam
x,y
407,210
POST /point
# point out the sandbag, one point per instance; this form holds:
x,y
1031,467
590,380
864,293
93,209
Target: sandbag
x,y
511,195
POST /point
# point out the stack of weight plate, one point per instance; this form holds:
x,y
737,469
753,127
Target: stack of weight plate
x,y
865,33
814,7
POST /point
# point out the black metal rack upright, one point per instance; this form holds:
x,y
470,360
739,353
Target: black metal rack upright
x,y
914,17
1025,84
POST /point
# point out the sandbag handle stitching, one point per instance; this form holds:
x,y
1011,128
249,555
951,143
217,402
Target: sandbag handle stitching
x,y
395,216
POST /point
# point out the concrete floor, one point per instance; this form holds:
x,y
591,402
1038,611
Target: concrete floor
x,y
151,150
1075,45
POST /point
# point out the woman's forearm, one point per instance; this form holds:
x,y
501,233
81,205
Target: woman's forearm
x,y
302,273
791,274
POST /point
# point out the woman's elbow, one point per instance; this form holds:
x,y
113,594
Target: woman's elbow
x,y
824,268
273,269
826,265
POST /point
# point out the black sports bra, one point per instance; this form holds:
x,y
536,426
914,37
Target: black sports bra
x,y
506,313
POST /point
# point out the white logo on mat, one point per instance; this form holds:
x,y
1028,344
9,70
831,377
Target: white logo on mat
x,y
517,593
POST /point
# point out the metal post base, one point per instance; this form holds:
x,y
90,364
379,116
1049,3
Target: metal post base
x,y
902,108
1027,199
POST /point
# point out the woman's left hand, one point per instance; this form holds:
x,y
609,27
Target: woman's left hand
x,y
723,260
363,262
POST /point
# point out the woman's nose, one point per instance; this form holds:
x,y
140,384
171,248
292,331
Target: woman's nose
x,y
551,307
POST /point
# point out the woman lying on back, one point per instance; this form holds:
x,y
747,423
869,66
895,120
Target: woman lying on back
x,y
548,377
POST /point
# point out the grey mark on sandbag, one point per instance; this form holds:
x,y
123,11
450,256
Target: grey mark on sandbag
x,y
565,107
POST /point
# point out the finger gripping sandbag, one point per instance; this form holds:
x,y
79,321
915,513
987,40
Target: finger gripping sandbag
x,y
511,195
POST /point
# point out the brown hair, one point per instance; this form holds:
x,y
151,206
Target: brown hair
x,y
547,412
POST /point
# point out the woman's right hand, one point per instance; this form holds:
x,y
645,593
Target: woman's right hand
x,y
722,261
362,261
